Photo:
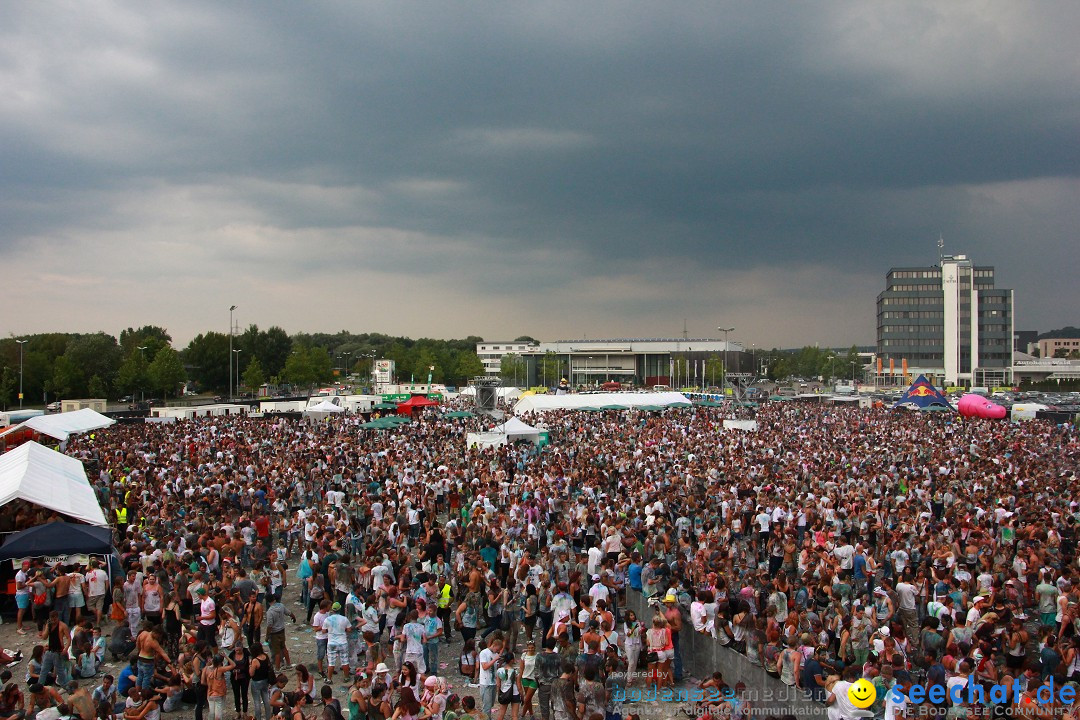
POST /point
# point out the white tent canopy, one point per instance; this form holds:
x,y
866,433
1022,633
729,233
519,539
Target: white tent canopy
x,y
515,429
322,410
51,480
484,440
62,425
325,406
541,403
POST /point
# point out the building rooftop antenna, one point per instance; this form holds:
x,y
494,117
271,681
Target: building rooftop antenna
x,y
941,248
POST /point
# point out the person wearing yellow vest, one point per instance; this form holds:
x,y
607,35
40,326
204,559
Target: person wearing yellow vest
x,y
122,521
445,594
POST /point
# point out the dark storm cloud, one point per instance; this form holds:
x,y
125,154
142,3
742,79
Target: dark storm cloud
x,y
496,142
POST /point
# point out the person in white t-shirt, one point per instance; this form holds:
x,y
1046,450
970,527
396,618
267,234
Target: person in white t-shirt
x,y
845,554
22,595
598,591
840,704
320,635
896,698
207,617
488,661
596,555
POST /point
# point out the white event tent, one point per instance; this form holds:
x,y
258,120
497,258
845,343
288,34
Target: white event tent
x,y
510,431
322,410
48,479
515,429
541,403
61,425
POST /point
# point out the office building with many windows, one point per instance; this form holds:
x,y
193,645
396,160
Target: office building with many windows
x,y
948,322
491,353
639,362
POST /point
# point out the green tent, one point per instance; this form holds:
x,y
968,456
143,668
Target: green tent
x,y
680,405
459,414
375,425
589,408
613,407
384,406
650,408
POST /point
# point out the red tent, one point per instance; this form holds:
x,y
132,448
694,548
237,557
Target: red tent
x,y
414,403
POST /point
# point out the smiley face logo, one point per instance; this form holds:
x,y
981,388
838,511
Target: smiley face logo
x,y
862,694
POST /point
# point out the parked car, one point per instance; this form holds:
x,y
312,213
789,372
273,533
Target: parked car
x,y
53,407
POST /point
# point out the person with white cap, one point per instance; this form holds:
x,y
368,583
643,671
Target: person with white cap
x,y
975,612
598,591
883,606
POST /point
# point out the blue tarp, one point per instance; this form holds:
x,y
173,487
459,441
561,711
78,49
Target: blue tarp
x,y
58,538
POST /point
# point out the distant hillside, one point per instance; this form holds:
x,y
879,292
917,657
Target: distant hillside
x,y
1066,332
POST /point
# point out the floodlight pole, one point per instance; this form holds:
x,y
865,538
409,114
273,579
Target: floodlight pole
x,y
21,343
723,374
142,385
231,308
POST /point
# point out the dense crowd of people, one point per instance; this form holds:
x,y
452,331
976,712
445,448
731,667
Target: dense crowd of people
x,y
829,545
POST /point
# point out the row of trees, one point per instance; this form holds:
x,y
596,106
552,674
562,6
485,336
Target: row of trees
x,y
143,360
59,365
811,362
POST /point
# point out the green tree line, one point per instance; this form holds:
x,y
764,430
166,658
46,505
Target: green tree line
x,y
143,360
811,363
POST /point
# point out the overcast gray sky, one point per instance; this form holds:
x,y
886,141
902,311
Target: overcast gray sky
x,y
557,169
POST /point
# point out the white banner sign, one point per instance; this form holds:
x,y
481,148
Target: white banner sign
x,y
51,560
750,425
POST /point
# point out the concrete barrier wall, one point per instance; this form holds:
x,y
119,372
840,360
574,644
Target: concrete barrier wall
x,y
702,656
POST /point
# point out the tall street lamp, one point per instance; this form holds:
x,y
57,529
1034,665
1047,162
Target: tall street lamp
x,y
348,356
853,363
723,374
371,367
21,343
231,308
142,388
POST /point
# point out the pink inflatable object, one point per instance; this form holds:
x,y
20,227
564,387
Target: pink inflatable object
x,y
968,405
972,405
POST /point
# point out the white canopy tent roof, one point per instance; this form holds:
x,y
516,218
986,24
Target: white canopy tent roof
x,y
322,410
515,429
541,403
325,406
484,440
62,425
51,480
